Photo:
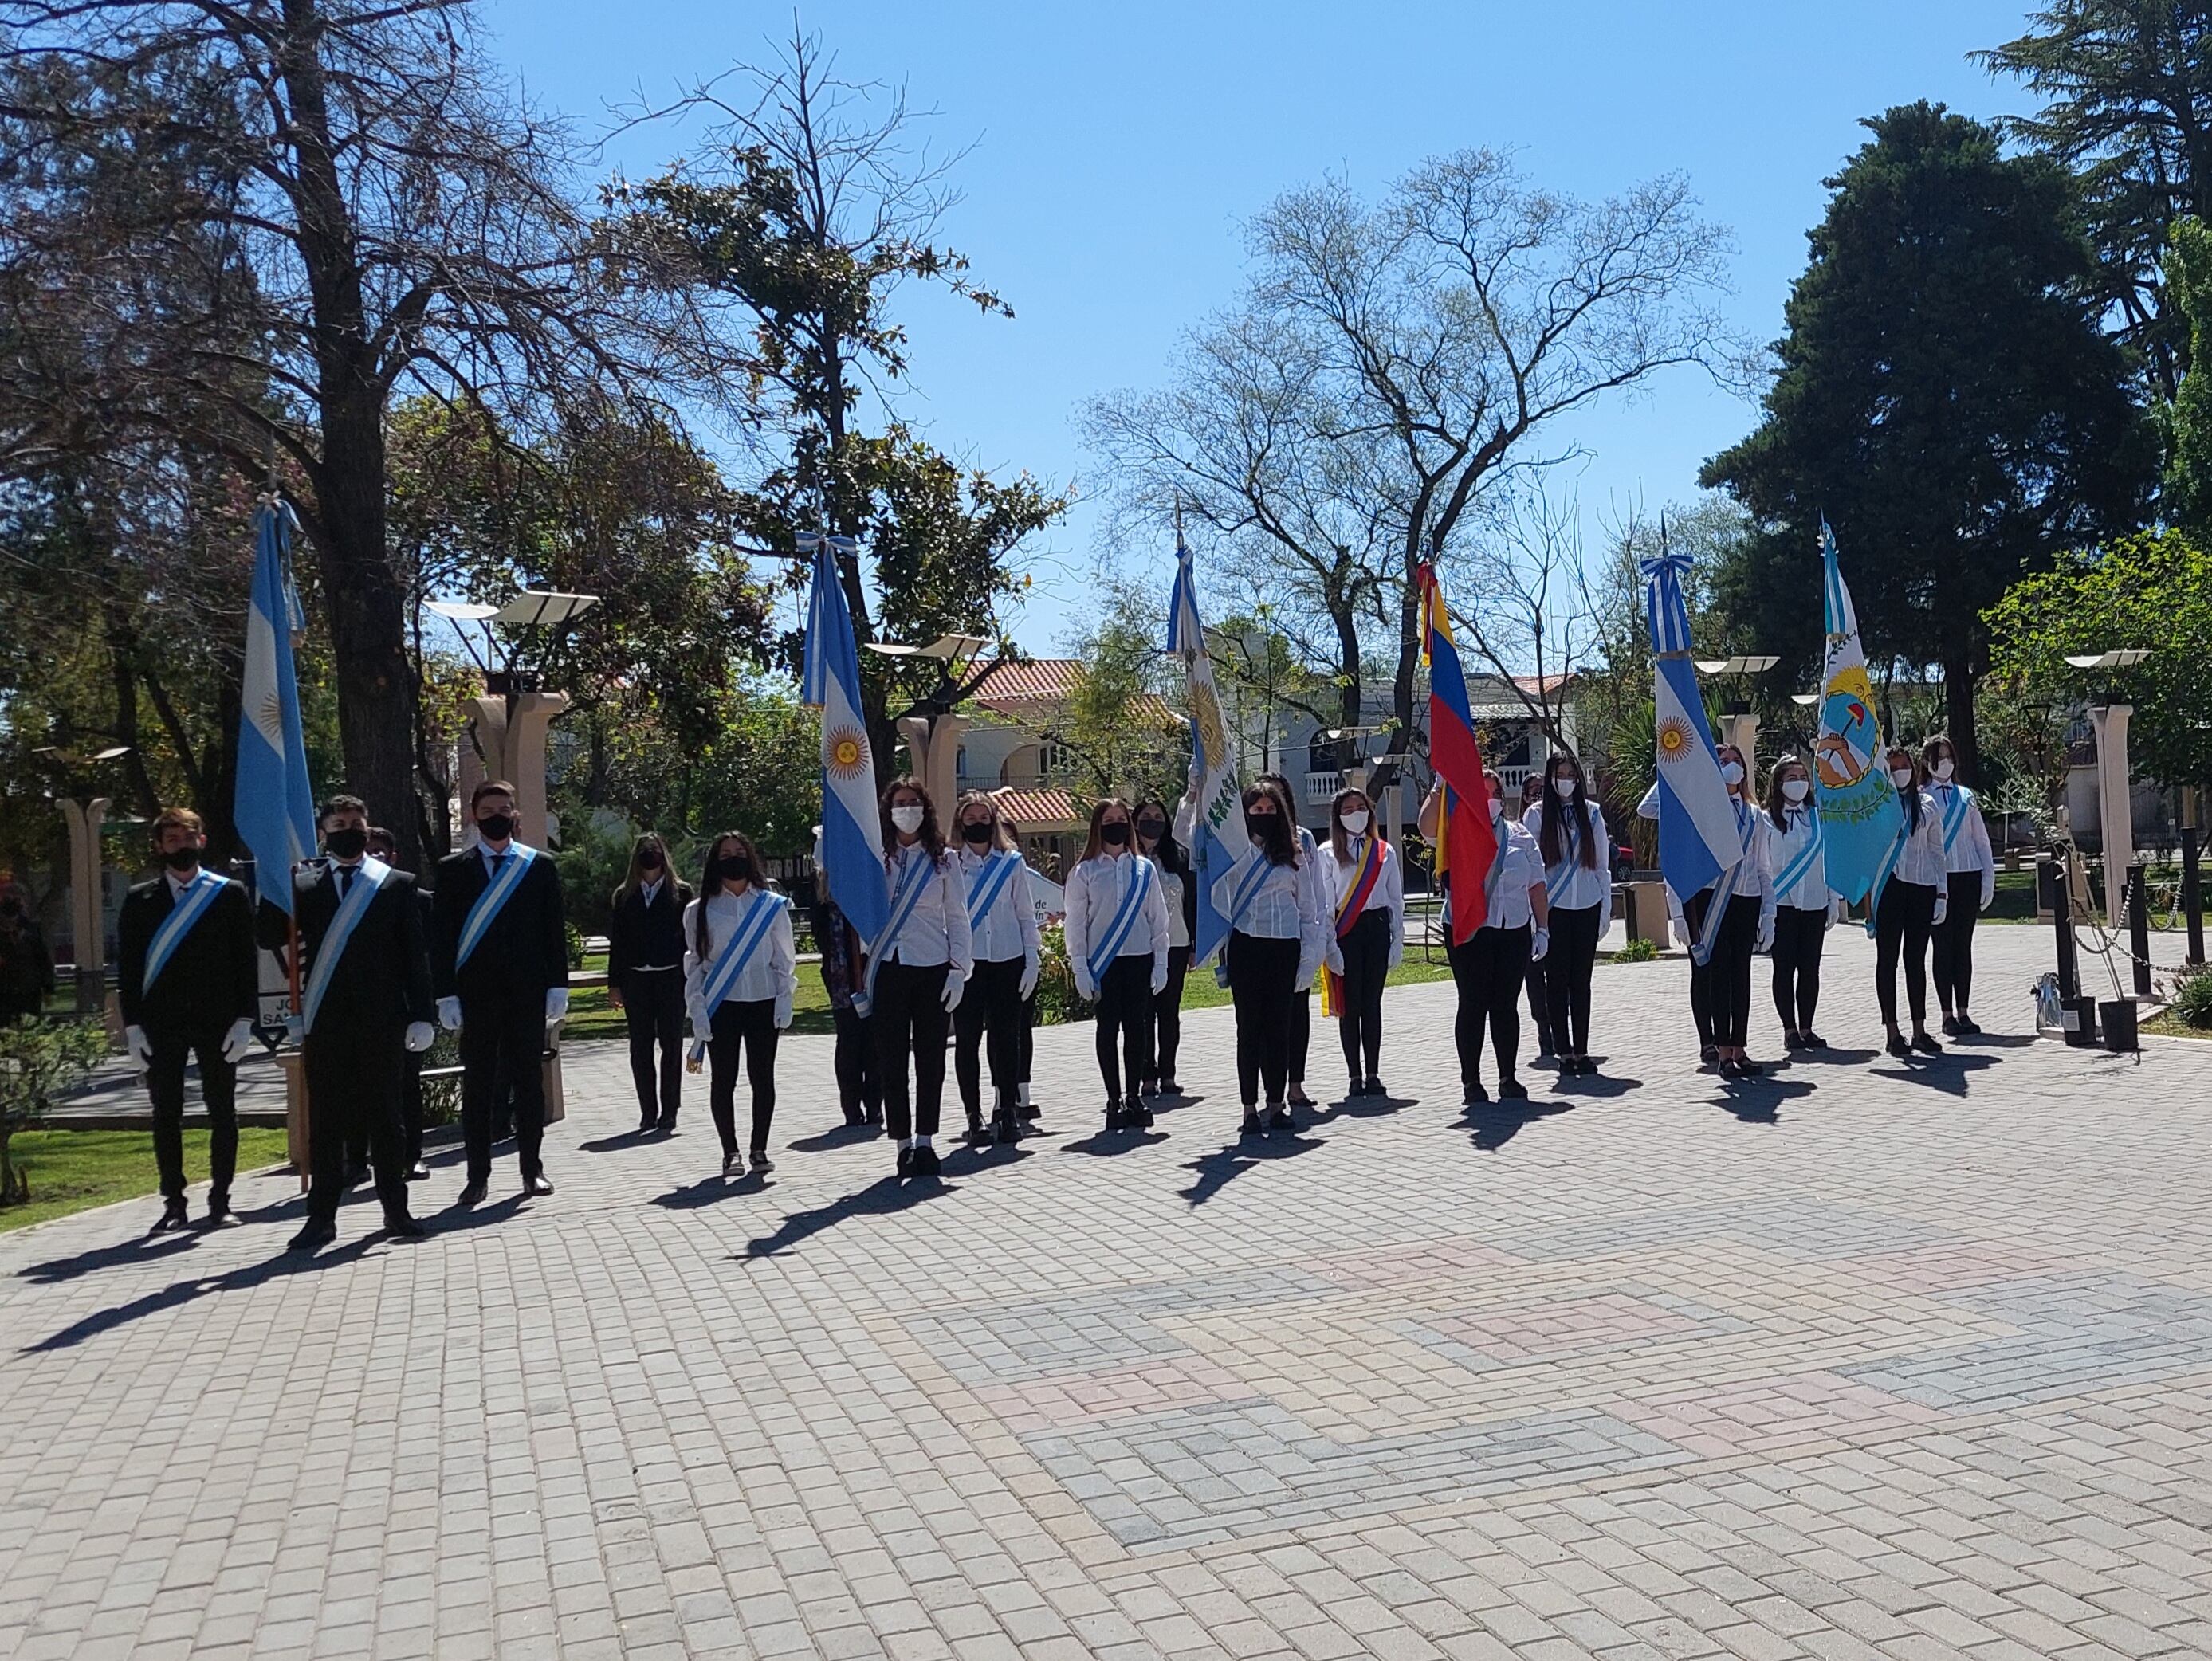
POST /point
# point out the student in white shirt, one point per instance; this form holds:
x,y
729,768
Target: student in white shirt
x,y
736,912
1002,927
1116,931
1539,978
1970,866
1570,839
920,971
1805,908
1911,905
1158,844
1277,925
1301,1039
1490,968
1366,935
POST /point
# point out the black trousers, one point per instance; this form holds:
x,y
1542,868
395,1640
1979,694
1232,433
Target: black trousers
x,y
1488,971
652,1011
858,1092
1953,941
1166,1016
165,1085
1799,935
745,1031
1299,1032
1261,973
353,1084
1125,1025
1720,992
1028,1035
1566,967
410,1106
1902,923
988,1021
1366,951
502,1051
909,1020
1539,981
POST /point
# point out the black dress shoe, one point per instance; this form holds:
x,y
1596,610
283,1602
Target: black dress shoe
x,y
905,1161
1474,1095
1251,1124
1512,1090
473,1194
418,1171
1278,1119
1950,1022
1813,1041
977,1136
1374,1088
314,1235
1169,1087
760,1163
1709,1057
1747,1068
536,1187
1793,1040
404,1227
1137,1116
1926,1044
1897,1047
219,1214
666,1124
1116,1116
648,1124
173,1216
1967,1026
925,1161
854,1116
731,1161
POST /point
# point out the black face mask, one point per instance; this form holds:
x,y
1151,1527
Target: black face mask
x,y
181,859
648,861
1152,829
496,828
1116,834
978,834
1257,825
734,867
346,842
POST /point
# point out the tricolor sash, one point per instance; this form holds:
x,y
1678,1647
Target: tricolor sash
x,y
191,904
991,880
1356,897
1747,827
1956,801
913,879
365,881
1108,946
737,950
1801,862
494,897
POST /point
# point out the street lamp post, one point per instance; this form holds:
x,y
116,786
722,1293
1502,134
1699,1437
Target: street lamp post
x,y
512,718
86,815
1739,722
932,729
2115,811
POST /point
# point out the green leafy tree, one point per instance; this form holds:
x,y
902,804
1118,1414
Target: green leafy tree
x,y
37,1058
1945,397
1116,721
2187,500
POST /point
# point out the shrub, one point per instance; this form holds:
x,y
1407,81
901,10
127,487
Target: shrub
x,y
1057,999
37,1057
2192,999
1636,951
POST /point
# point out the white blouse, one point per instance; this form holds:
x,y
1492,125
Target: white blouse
x,y
1922,861
1096,888
1750,872
1778,848
1389,895
1008,929
770,974
1512,907
1970,850
1286,904
1588,885
1171,886
936,930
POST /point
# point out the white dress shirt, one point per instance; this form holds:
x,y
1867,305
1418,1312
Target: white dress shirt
x,y
1008,929
1589,885
1096,888
1779,847
770,974
936,930
1971,850
1287,904
1922,861
1388,894
1171,887
1750,872
1511,905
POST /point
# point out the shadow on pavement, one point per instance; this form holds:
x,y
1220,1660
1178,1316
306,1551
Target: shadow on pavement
x,y
1948,1073
632,1137
1215,1170
139,1249
709,1188
1759,1100
1829,1057
1104,1144
882,1199
837,1136
1595,1086
1497,1123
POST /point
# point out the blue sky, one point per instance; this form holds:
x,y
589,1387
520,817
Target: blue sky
x,y
1117,149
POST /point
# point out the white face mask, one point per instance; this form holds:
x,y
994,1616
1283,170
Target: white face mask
x,y
1732,772
1355,821
1944,769
1901,777
1796,789
1497,806
908,817
1564,785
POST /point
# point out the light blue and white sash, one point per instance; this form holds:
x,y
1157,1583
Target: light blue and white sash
x,y
1957,800
1108,946
1557,882
1249,886
739,949
1883,872
366,880
1801,862
991,879
913,879
490,903
191,904
1495,875
1746,829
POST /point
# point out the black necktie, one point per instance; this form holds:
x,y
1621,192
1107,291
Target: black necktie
x,y
345,881
498,864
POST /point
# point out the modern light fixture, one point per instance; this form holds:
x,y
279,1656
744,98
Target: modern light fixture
x,y
2125,657
1745,665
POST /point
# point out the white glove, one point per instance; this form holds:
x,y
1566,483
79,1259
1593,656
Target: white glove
x,y
421,1035
449,1014
1304,982
1765,942
1086,988
782,1013
1029,967
1159,979
138,1047
1989,891
954,990
1682,932
1539,944
556,1004
1334,958
1942,908
238,1040
295,1029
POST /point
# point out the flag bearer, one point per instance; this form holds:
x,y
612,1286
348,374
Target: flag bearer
x,y
1278,926
1570,839
1179,889
1490,966
1793,855
1970,867
1911,898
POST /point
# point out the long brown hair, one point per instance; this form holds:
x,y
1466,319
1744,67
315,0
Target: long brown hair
x,y
1099,809
636,877
1554,813
1338,844
1002,835
710,884
931,836
1777,805
1910,795
1281,845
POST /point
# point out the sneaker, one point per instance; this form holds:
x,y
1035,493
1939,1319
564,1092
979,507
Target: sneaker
x,y
173,1216
1813,1039
219,1214
1950,1023
924,1163
1006,1127
1896,1045
1793,1040
1926,1044
1169,1087
1115,1118
648,1124
1297,1097
1967,1026
977,1136
473,1194
1709,1057
1278,1117
402,1227
759,1160
1374,1088
316,1233
1251,1126
731,1161
418,1171
1512,1090
1474,1095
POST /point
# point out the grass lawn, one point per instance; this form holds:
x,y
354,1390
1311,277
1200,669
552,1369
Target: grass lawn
x,y
2170,1025
73,1170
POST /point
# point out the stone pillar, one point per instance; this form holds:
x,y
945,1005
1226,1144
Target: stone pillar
x,y
88,911
2114,815
934,745
1742,732
513,749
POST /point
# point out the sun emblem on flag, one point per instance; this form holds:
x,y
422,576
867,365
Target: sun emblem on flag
x,y
848,751
1675,737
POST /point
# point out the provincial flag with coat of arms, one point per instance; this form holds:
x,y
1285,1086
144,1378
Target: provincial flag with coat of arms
x,y
1860,815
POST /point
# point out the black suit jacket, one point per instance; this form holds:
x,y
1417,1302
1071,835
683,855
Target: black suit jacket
x,y
209,981
524,951
383,979
638,933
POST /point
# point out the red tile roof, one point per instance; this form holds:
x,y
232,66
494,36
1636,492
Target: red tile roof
x,y
1017,690
1039,809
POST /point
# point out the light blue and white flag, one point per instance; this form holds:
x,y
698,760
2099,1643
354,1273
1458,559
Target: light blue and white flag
x,y
1860,813
852,827
275,807
1698,837
1217,839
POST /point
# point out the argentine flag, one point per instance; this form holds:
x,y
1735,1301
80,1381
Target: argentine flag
x,y
852,827
1697,838
275,807
1217,832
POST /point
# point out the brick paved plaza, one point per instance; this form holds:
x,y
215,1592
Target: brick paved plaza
x,y
1869,1360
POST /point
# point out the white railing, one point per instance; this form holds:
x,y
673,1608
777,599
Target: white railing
x,y
1321,788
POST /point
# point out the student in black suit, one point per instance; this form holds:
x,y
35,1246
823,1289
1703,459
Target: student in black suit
x,y
500,972
645,977
189,985
365,980
383,844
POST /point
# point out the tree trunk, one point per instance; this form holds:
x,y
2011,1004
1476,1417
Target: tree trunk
x,y
1959,709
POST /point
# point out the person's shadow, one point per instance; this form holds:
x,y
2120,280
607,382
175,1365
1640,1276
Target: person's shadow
x,y
1597,1087
1497,1123
633,1137
1950,1074
1759,1100
139,1249
1830,1057
1215,1170
837,1136
1365,1107
1103,1143
885,1198
709,1190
